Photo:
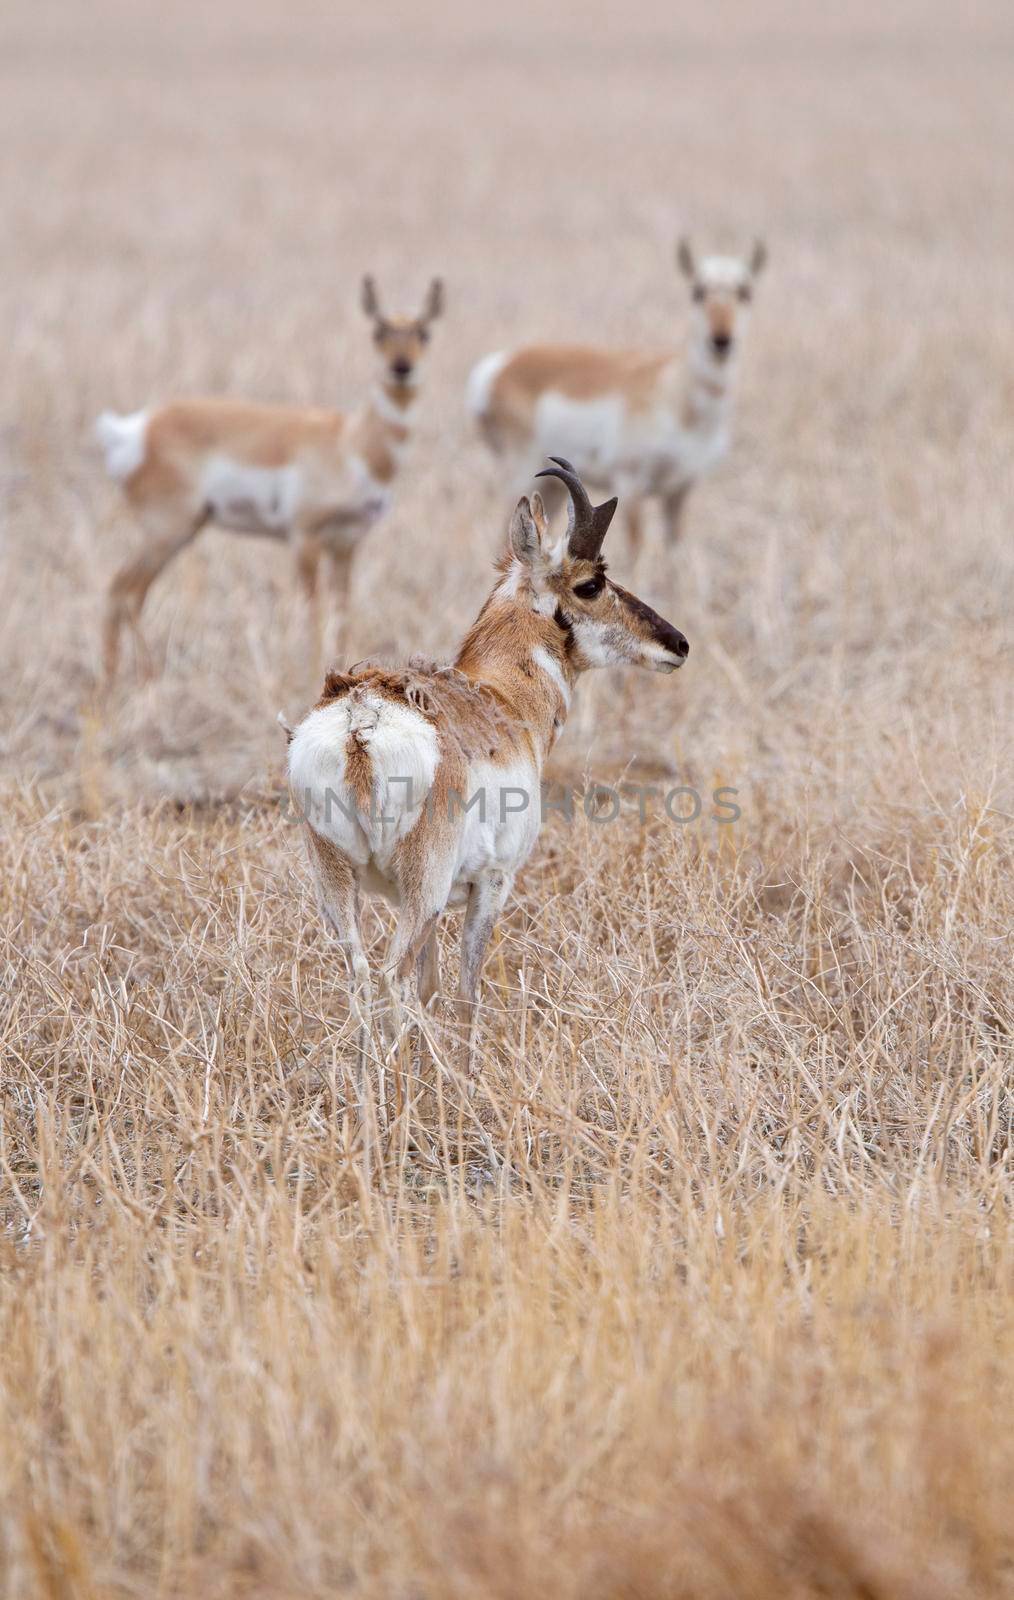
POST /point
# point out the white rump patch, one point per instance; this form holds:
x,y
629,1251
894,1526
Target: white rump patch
x,y
123,441
402,750
481,380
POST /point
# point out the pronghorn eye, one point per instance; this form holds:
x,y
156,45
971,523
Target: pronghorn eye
x,y
698,292
745,292
424,335
590,589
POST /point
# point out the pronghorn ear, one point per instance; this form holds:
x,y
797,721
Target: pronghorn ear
x,y
370,303
525,538
434,300
758,260
685,258
539,514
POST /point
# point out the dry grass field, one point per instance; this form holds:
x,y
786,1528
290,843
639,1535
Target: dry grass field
x,y
732,1311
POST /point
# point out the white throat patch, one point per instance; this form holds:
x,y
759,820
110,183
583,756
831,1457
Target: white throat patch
x,y
385,407
594,641
551,667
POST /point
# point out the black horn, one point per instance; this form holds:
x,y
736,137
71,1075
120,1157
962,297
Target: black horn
x,y
588,523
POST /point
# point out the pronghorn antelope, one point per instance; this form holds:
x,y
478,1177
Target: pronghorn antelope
x,y
424,785
319,479
636,422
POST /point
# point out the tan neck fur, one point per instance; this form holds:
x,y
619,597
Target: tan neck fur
x,y
382,429
499,652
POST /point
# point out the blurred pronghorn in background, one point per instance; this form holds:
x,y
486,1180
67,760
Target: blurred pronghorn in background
x,y
423,785
317,478
637,422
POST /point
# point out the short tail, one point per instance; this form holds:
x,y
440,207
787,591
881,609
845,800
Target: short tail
x,y
479,398
123,441
481,381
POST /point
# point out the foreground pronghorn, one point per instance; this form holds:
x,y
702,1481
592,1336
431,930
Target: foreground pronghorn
x,y
637,422
424,784
319,479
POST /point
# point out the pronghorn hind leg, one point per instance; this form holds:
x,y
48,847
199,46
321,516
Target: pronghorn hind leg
x,y
486,900
424,884
129,588
427,981
338,897
412,936
427,969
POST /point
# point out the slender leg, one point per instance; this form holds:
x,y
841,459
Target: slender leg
x,y
340,565
412,938
338,897
309,551
341,578
629,490
634,509
130,586
672,507
427,970
486,900
427,980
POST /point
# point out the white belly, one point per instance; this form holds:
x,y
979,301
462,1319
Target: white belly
x,y
607,444
494,824
634,453
501,826
344,506
251,499
586,432
266,500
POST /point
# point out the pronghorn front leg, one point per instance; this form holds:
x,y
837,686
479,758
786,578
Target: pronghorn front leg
x,y
309,550
673,505
628,487
129,588
635,524
340,565
486,899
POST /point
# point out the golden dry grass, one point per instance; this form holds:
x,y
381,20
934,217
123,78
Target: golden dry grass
x,y
734,1312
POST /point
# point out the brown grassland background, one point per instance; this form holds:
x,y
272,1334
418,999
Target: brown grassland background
x,y
732,1312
